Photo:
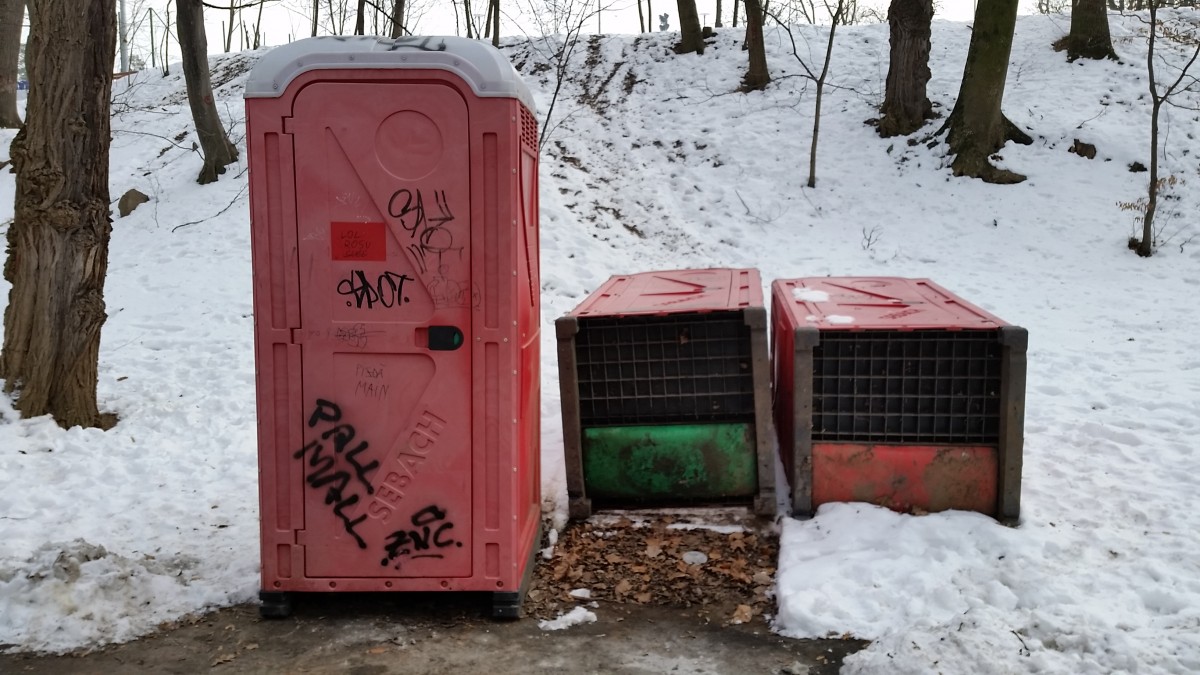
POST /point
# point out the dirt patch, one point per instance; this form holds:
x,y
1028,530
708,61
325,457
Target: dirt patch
x,y
663,598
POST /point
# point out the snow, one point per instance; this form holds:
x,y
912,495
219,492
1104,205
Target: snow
x,y
661,166
810,295
577,616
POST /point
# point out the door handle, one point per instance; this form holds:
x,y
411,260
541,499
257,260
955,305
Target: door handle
x,y
445,338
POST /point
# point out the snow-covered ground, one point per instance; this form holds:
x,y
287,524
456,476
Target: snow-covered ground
x,y
654,162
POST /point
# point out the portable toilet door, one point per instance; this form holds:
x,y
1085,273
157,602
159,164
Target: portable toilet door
x,y
394,214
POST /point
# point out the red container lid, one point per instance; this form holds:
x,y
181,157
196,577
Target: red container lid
x,y
675,291
878,303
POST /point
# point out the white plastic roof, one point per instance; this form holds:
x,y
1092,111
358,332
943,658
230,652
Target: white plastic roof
x,y
479,64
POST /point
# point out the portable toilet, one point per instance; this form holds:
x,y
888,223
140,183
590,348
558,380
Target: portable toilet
x,y
394,212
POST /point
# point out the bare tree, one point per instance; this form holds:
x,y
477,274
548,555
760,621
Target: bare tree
x,y
1089,37
218,151
12,14
559,24
757,76
58,241
1183,81
906,104
835,15
691,40
977,127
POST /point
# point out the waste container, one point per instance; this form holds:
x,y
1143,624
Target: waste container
x,y
666,392
896,392
394,212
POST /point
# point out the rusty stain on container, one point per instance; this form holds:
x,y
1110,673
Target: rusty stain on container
x,y
906,478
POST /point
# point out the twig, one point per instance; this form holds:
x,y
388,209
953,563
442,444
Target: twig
x,y
1023,645
169,140
227,207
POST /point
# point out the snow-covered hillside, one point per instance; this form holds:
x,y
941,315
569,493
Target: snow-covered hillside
x,y
653,161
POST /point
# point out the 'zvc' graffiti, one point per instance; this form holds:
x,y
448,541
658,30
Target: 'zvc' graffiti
x,y
342,486
429,534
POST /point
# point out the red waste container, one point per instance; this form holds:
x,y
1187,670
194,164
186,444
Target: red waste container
x,y
666,392
394,211
896,392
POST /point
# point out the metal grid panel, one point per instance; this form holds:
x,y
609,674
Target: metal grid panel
x,y
927,386
678,368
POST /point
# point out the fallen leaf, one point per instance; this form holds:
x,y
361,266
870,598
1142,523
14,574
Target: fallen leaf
x,y
623,587
653,548
614,559
223,658
377,650
742,614
643,597
762,578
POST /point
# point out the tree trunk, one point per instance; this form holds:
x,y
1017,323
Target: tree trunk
x,y
229,28
641,18
717,23
316,13
58,241
757,77
1089,37
496,23
735,4
906,105
690,38
360,17
397,19
12,13
977,126
218,151
468,19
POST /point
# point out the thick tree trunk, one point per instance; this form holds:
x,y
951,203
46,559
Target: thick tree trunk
x,y
690,38
316,13
906,105
717,22
58,242
360,17
977,126
757,77
12,12
1089,37
218,151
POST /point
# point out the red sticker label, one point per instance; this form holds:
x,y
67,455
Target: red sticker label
x,y
358,241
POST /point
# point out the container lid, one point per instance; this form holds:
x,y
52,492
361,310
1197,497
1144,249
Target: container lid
x,y
479,64
675,291
874,303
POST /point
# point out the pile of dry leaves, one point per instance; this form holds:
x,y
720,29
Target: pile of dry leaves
x,y
726,576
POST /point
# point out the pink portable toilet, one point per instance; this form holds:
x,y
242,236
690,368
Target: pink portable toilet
x,y
394,211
